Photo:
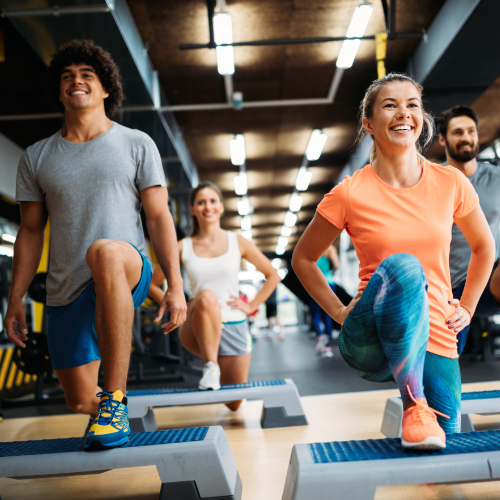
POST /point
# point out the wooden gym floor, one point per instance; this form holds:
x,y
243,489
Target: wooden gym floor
x,y
261,455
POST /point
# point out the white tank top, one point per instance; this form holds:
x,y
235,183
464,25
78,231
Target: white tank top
x,y
219,274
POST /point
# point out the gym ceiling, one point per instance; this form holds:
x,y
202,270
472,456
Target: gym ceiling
x,y
276,133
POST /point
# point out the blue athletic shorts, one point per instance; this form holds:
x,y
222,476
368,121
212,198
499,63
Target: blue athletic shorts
x,y
486,307
71,334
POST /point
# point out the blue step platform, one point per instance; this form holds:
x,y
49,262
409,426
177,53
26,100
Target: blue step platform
x,y
193,464
354,469
282,406
483,403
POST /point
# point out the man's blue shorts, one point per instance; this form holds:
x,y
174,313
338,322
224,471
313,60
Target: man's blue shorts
x,y
486,307
71,330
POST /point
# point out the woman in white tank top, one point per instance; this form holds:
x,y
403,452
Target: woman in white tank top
x,y
216,327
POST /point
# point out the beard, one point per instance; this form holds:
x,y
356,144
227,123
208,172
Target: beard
x,y
463,156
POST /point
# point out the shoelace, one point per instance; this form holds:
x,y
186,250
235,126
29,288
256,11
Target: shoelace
x,y
108,406
423,405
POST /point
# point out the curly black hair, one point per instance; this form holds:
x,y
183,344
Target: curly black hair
x,y
86,52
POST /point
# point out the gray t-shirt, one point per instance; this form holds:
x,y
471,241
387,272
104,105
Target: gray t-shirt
x,y
91,191
486,182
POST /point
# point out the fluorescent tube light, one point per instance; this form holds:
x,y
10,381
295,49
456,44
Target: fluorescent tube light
x,y
282,241
279,250
237,150
246,223
4,250
315,146
295,202
225,60
282,273
241,184
9,238
290,219
359,21
223,29
286,231
247,234
244,206
348,53
303,179
276,263
356,29
223,33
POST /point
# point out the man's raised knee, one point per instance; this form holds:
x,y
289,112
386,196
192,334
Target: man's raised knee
x,y
102,252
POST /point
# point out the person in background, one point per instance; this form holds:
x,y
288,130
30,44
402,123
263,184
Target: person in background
x,y
458,133
326,263
216,327
273,320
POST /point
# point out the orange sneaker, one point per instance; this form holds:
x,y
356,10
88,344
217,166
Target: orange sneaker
x,y
421,430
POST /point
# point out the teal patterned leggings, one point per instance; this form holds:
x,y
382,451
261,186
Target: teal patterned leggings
x,y
385,338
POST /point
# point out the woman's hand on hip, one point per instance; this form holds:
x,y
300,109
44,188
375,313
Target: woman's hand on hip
x,y
237,303
344,312
460,319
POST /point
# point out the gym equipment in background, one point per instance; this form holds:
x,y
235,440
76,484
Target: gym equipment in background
x,y
282,406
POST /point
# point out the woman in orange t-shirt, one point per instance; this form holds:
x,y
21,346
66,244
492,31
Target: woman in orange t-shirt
x,y
398,211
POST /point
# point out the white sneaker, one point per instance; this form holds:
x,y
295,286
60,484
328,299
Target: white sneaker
x,y
327,352
321,343
211,377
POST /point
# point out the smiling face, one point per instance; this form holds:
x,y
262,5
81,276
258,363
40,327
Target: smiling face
x,y
461,139
207,207
397,119
81,88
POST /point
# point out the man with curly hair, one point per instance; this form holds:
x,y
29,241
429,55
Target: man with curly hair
x,y
91,178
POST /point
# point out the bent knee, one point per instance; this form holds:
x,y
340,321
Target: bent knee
x,y
81,405
403,264
102,252
207,299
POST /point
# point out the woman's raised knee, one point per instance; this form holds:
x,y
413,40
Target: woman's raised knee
x,y
404,262
207,300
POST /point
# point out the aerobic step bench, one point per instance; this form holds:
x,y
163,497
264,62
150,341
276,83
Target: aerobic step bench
x,y
193,464
484,402
353,469
282,406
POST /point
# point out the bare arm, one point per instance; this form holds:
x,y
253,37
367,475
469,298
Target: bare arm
x,y
27,253
316,239
251,253
162,233
332,254
478,234
155,289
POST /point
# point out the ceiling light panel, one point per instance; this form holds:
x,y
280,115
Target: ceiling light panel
x,y
279,250
316,145
244,206
286,231
237,150
276,263
223,28
241,184
295,202
359,21
282,241
290,219
303,179
246,223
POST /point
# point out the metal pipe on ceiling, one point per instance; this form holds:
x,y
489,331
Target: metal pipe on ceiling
x,y
295,41
59,11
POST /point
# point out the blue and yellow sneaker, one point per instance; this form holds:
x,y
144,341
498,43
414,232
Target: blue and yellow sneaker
x,y
110,427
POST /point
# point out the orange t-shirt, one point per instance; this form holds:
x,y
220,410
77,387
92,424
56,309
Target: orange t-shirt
x,y
382,221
